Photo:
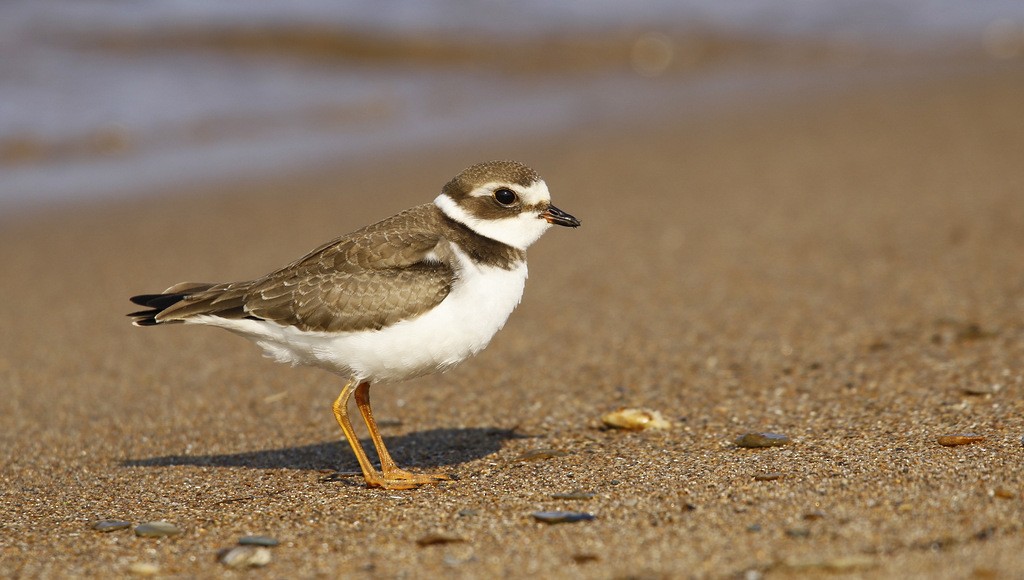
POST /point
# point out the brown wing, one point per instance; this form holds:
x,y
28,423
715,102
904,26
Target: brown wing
x,y
358,283
368,279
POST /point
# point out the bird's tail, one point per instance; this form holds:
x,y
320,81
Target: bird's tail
x,y
188,299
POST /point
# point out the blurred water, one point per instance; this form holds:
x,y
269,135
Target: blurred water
x,y
104,97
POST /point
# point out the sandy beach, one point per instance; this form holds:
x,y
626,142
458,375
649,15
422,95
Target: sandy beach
x,y
843,267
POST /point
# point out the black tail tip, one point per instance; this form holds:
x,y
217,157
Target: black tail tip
x,y
156,303
145,322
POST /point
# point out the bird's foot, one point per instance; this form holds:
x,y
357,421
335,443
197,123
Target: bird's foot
x,y
402,479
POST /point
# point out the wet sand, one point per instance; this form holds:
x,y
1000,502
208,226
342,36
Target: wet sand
x,y
843,268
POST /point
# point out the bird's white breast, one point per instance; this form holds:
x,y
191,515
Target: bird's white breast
x,y
481,300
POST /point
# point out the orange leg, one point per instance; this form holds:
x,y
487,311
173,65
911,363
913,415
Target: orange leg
x,y
340,408
394,477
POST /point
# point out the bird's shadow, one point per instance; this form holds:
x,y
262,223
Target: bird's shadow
x,y
434,447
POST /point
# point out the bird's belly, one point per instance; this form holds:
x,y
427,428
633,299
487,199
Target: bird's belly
x,y
460,326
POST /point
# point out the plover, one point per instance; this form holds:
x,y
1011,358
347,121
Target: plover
x,y
414,294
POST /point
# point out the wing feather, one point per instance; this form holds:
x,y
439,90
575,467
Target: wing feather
x,y
374,277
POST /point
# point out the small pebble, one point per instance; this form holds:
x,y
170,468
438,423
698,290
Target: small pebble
x,y
798,532
258,541
585,557
156,530
577,494
973,331
985,533
959,439
245,557
143,569
1003,493
768,476
275,397
539,454
111,525
636,420
439,538
760,440
466,513
562,517
814,515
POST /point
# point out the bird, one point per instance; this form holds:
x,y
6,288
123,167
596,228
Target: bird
x,y
413,294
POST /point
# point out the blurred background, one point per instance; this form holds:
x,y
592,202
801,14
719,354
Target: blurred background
x,y
115,98
799,216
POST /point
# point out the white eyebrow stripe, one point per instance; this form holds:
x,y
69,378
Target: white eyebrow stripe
x,y
536,195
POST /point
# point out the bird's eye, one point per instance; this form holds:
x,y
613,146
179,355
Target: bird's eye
x,y
505,196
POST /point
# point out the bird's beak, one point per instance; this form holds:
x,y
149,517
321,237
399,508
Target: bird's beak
x,y
553,215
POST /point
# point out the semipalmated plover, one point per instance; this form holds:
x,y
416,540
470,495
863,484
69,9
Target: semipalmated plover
x,y
411,295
